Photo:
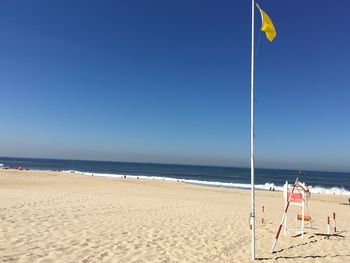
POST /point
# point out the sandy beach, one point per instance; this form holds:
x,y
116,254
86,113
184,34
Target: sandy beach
x,y
62,217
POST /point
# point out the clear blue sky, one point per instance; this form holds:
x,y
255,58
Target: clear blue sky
x,y
169,81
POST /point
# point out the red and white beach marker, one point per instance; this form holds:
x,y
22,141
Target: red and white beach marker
x,y
328,228
284,216
263,212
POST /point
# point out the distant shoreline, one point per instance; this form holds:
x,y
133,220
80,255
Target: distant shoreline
x,y
171,164
224,177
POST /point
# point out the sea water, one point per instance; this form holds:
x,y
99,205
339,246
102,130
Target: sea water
x,y
233,177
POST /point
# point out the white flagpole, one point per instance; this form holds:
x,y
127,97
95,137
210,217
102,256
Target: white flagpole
x,y
252,211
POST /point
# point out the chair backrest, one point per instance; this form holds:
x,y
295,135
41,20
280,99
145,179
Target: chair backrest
x,y
295,198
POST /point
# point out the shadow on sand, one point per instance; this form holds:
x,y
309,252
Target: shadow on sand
x,y
303,244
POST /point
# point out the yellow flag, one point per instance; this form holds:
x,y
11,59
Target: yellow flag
x,y
267,25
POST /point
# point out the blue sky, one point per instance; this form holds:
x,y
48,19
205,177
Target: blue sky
x,y
169,81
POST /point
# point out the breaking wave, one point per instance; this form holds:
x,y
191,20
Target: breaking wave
x,y
266,187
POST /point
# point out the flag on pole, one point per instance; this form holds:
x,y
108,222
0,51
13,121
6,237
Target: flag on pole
x,y
270,31
267,25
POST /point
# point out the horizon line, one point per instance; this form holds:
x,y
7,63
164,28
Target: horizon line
x,y
180,164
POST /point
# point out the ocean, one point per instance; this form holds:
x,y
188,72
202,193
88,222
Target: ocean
x,y
232,177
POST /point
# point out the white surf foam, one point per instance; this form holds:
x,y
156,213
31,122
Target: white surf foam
x,y
266,186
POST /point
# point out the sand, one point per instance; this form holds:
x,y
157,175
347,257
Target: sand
x,y
61,217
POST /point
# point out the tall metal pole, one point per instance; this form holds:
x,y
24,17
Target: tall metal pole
x,y
252,211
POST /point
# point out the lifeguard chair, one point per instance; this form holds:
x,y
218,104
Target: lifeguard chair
x,y
297,195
